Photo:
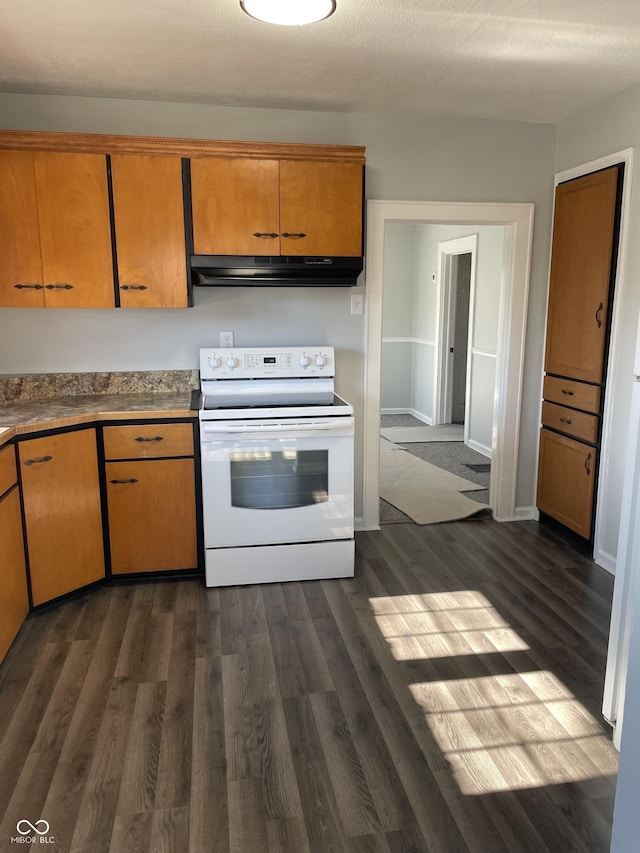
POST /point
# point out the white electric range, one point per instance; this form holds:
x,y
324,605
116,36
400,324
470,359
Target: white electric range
x,y
277,466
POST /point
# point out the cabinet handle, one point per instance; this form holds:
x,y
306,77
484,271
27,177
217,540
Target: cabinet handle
x,y
567,393
153,438
35,461
29,286
297,236
566,421
599,315
124,482
59,286
264,234
587,467
134,287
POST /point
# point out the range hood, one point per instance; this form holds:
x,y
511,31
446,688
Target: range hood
x,y
275,271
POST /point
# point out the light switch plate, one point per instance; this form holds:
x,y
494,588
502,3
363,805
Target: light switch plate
x,y
357,303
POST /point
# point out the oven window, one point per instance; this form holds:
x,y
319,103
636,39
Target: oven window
x,y
279,479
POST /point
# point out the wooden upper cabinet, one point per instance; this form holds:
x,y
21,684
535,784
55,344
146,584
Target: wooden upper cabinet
x,y
150,237
21,283
235,206
244,206
75,229
323,202
582,262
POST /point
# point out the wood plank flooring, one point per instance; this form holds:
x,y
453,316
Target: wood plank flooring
x,y
445,700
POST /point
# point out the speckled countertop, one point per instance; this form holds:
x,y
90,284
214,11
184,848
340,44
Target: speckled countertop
x,y
47,401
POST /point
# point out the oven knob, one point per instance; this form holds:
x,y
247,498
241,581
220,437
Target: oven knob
x,y
214,362
232,362
321,360
304,361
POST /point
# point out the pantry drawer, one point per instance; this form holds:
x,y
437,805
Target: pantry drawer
x,y
577,424
568,392
148,441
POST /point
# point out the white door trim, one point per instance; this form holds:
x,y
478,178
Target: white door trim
x,y
605,485
518,222
442,378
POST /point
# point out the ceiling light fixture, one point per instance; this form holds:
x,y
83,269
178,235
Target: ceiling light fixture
x,y
289,13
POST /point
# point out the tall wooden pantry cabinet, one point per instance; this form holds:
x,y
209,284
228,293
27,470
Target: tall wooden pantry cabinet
x,y
583,266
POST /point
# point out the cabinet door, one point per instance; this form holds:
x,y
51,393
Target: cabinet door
x,y
233,200
75,230
63,519
323,202
581,268
566,478
152,519
21,283
149,222
14,599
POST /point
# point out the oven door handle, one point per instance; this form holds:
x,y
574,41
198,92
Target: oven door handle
x,y
292,429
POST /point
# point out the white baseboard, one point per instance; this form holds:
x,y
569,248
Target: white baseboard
x,y
421,417
395,411
522,513
605,561
479,448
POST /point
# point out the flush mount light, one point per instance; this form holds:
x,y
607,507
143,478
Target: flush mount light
x,y
289,13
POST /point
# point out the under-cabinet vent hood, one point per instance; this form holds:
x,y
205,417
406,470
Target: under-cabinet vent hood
x,y
275,271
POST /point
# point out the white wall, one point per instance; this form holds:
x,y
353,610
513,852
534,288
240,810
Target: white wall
x,y
397,316
408,158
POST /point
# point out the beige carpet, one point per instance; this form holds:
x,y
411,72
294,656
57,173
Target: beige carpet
x,y
414,434
427,494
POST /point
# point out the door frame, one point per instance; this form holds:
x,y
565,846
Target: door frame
x,y
518,222
447,249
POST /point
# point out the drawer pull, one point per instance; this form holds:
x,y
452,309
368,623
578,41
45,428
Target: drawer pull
x,y
124,482
566,421
134,287
36,461
296,236
29,286
599,315
567,393
264,234
153,438
59,286
587,466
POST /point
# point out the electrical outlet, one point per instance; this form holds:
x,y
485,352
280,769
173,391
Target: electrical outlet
x,y
226,339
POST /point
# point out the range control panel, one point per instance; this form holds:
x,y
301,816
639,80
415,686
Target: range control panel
x,y
266,362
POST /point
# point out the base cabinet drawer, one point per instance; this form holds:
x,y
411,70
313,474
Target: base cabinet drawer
x,y
152,516
566,479
148,441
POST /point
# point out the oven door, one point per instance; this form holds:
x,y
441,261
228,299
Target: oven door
x,y
274,482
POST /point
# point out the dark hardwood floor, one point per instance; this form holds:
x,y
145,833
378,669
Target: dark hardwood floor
x,y
445,699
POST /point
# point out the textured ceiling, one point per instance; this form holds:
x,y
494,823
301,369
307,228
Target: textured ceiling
x,y
533,60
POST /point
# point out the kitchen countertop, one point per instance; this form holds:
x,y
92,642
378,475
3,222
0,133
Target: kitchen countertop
x,y
20,413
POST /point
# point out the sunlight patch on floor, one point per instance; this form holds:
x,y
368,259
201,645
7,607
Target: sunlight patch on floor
x,y
502,731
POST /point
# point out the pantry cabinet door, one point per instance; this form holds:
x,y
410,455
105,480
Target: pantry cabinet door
x,y
581,269
149,222
21,283
75,230
235,206
320,208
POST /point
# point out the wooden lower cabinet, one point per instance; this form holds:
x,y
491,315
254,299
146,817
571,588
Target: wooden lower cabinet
x,y
63,519
152,516
566,480
14,597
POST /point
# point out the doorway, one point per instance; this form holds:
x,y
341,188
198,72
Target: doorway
x,y
517,220
458,327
